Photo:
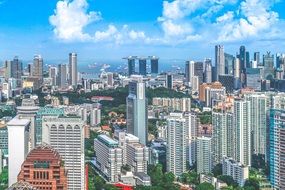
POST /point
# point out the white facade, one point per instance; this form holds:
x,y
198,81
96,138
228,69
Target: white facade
x,y
177,144
73,69
238,171
95,116
204,155
192,124
66,135
242,126
18,146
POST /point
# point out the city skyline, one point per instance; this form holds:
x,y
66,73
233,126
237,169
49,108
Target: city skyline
x,y
168,29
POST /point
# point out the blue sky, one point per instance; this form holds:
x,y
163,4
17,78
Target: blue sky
x,y
111,29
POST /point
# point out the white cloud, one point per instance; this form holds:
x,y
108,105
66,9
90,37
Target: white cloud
x,y
70,18
226,17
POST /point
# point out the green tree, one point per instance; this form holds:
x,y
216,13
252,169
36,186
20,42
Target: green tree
x,y
205,186
228,180
4,178
251,184
217,170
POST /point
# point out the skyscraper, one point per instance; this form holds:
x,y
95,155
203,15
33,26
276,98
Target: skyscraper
x,y
242,127
142,66
18,146
229,64
256,57
199,71
220,61
177,143
242,58
137,111
223,135
247,59
276,148
208,71
169,81
204,155
154,64
131,65
38,67
17,70
259,105
268,62
66,136
192,125
62,76
73,69
53,74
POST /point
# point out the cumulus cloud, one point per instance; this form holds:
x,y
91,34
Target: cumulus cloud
x,y
70,18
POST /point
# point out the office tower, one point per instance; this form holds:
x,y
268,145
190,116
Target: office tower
x,y
62,73
110,79
137,111
237,68
189,71
229,64
192,124
17,70
242,58
259,104
53,75
109,157
131,65
66,135
208,71
204,155
177,144
142,66
268,62
242,126
280,60
44,169
73,69
38,67
228,82
253,78
199,71
154,64
41,113
169,81
276,150
8,69
223,135
18,146
247,59
220,61
28,110
256,57
236,170
95,116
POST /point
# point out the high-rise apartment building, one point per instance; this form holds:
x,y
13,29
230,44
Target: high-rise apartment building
x,y
204,155
66,135
137,111
53,75
95,116
208,71
223,135
177,143
276,148
18,146
220,61
242,127
73,69
44,169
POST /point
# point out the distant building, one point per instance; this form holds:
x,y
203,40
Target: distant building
x,y
169,81
208,71
256,57
131,65
62,76
239,172
204,155
253,78
173,104
38,67
44,169
268,62
142,66
229,64
228,82
220,61
95,117
73,69
154,64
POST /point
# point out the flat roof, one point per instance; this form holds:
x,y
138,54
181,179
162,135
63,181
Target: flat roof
x,y
107,140
18,122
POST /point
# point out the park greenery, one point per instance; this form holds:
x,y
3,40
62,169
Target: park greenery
x,y
4,178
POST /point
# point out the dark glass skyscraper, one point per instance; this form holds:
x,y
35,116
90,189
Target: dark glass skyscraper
x,y
154,64
142,66
131,66
256,57
229,64
268,62
242,58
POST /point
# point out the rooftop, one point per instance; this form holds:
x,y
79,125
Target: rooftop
x,y
18,122
107,140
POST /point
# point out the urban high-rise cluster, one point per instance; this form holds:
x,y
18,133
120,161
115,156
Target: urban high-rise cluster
x,y
62,129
